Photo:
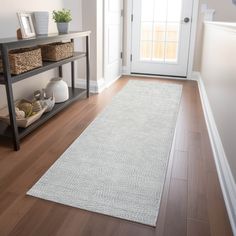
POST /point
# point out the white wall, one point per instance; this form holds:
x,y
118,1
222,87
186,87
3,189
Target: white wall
x,y
93,20
218,87
100,39
8,9
224,11
9,25
218,72
75,25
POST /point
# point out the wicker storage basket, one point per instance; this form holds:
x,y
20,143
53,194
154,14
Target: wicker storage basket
x,y
22,60
57,51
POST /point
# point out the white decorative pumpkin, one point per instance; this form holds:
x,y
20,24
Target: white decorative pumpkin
x,y
59,89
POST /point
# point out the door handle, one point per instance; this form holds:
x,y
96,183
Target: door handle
x,y
186,20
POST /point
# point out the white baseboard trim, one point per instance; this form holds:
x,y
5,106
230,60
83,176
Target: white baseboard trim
x,y
195,75
125,70
95,86
109,83
225,175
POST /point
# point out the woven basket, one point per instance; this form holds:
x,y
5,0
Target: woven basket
x,y
57,51
23,122
22,60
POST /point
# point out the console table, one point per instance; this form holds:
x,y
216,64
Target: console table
x,y
7,80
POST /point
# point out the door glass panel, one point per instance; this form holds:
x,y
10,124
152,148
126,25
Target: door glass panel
x,y
172,32
160,10
159,51
171,52
146,50
146,31
174,10
160,30
147,10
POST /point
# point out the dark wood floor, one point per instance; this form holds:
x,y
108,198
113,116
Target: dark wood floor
x,y
192,202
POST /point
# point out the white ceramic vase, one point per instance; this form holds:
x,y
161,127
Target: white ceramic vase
x,y
63,27
57,88
41,19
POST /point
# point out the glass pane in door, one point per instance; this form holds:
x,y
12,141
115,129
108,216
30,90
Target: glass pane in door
x,y
160,28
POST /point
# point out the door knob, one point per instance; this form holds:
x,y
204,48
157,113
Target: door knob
x,y
186,19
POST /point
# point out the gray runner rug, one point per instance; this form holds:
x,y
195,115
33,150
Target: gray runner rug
x,y
117,166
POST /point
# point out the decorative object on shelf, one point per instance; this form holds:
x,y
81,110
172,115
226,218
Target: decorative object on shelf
x,y
46,101
49,103
37,95
40,98
59,89
26,106
57,51
62,18
41,19
36,106
26,25
25,114
19,114
22,60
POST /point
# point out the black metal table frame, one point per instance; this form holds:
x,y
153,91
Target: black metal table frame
x,y
9,44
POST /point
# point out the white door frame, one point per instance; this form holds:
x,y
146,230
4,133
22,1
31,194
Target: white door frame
x,y
128,39
105,59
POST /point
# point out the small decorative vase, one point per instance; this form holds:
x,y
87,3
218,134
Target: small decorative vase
x,y
48,103
41,19
58,89
63,27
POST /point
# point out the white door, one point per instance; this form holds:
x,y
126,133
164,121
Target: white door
x,y
113,40
161,37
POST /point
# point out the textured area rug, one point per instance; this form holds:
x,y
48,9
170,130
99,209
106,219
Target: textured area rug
x,y
117,166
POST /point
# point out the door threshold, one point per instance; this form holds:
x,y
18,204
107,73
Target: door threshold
x,y
159,76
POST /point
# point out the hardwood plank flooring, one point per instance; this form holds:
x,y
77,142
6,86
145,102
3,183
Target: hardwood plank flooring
x,y
177,206
180,165
197,228
192,202
197,194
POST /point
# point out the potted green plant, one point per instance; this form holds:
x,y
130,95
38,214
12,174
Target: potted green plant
x,y
62,18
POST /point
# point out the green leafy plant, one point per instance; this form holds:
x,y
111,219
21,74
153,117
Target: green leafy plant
x,y
62,16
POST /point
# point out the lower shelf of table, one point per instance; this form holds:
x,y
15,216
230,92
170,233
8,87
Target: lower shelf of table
x,y
5,130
